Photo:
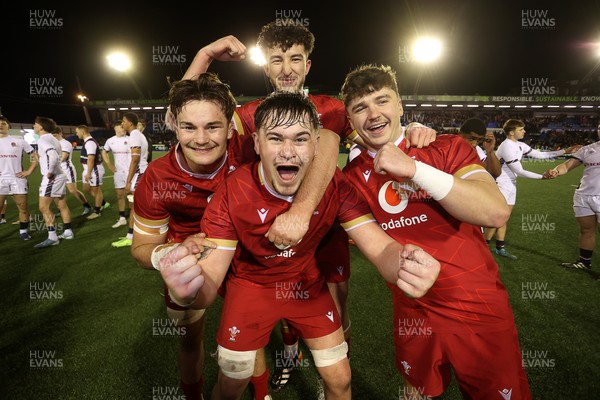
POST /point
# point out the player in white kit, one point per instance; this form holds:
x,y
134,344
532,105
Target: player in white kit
x,y
69,169
586,200
510,153
54,182
13,180
118,145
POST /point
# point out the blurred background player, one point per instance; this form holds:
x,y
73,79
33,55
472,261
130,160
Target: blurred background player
x,y
69,169
13,180
118,145
586,200
510,153
93,170
54,182
475,132
138,146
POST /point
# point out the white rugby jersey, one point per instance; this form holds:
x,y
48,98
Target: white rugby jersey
x,y
119,146
510,153
49,151
66,147
589,156
137,139
11,155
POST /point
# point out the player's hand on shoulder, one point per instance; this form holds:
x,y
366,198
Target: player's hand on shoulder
x,y
182,274
393,161
419,136
417,272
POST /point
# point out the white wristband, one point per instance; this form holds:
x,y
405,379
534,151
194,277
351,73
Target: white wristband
x,y
160,251
435,182
179,303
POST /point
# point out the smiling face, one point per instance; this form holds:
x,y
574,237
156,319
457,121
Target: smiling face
x,y
203,131
286,138
376,117
287,70
286,152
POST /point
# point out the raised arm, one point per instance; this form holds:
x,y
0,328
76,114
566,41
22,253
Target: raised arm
x,y
491,163
228,48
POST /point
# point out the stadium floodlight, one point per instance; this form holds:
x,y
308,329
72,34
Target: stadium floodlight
x,y
427,50
257,56
119,61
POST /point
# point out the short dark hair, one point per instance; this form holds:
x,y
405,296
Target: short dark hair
x,y
207,87
48,124
131,117
367,79
474,125
285,33
3,118
284,109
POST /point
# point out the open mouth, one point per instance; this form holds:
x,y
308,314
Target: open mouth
x,y
201,150
287,82
377,127
287,172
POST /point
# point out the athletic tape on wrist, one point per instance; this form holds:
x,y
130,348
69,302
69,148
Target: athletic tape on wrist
x,y
179,303
437,183
160,251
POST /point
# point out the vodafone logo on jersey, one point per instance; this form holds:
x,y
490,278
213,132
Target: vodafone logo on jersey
x,y
392,200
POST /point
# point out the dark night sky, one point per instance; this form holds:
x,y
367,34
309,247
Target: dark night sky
x,y
487,50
